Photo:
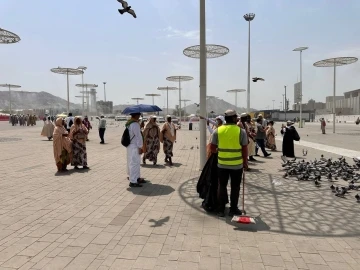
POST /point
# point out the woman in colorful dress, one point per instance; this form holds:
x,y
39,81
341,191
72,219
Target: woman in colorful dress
x,y
270,136
151,135
88,125
78,133
62,146
168,137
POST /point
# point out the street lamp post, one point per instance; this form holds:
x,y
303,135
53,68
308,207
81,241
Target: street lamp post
x,y
104,91
167,88
179,79
285,102
301,49
82,81
10,86
152,96
185,100
86,86
236,91
248,17
137,99
67,71
203,52
334,62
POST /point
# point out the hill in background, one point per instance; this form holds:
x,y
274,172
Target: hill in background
x,y
21,100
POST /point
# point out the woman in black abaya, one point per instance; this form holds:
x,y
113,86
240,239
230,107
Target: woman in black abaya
x,y
289,136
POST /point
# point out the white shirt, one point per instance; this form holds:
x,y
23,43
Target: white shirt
x,y
135,135
67,121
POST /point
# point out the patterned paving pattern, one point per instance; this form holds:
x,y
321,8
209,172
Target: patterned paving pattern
x,y
92,220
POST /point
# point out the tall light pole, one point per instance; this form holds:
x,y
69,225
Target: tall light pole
x,y
301,49
333,62
204,52
10,86
167,88
248,17
285,104
236,91
283,99
273,103
67,71
104,91
153,96
137,99
86,92
179,79
82,81
185,100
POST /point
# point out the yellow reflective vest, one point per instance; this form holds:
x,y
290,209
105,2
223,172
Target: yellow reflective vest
x,y
229,147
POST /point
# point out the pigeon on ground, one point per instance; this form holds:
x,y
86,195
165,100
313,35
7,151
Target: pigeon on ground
x,y
305,151
192,147
357,197
317,183
332,187
126,8
255,79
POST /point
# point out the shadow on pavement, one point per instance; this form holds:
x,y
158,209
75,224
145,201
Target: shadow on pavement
x,y
160,222
149,189
290,207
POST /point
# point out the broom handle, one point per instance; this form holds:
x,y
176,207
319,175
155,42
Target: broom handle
x,y
243,192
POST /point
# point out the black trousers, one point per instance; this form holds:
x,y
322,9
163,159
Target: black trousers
x,y
223,176
260,144
102,133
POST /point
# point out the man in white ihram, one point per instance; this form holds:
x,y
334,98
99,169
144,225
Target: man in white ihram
x,y
134,151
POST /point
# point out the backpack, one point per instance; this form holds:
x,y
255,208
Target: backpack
x,y
71,122
125,139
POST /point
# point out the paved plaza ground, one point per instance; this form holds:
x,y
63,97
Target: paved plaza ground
x,y
92,220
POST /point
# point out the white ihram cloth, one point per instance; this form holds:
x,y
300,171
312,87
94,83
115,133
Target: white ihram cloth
x,y
133,157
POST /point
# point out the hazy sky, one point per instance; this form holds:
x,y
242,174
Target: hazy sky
x,y
134,56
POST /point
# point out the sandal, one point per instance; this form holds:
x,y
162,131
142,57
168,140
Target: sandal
x,y
134,185
141,181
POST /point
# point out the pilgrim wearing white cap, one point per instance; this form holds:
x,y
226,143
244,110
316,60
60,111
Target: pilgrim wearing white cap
x,y
290,135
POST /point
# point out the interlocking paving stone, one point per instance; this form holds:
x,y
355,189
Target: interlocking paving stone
x,y
93,220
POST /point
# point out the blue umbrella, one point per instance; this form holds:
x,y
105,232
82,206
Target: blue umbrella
x,y
140,108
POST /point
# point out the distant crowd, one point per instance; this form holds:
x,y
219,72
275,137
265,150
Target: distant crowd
x,y
22,120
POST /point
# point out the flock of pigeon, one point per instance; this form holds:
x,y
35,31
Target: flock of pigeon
x,y
331,170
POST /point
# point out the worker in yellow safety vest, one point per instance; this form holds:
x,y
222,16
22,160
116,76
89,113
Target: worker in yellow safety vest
x,y
230,142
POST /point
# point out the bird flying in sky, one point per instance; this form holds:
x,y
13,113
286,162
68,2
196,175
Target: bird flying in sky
x,y
257,79
126,8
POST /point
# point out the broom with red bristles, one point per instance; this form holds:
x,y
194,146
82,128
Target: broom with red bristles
x,y
243,219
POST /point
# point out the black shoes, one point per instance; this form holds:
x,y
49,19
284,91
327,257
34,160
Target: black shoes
x,y
268,155
252,158
134,185
236,212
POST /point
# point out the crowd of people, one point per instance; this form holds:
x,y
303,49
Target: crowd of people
x,y
234,141
22,120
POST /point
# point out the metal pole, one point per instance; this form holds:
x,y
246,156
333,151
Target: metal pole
x,y
285,106
9,99
167,100
153,100
68,94
248,81
180,101
334,105
87,101
203,59
301,89
82,82
105,91
236,100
